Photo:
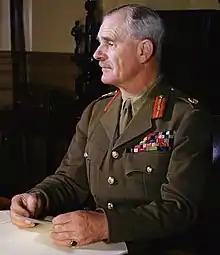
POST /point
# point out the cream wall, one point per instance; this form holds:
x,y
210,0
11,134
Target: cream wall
x,y
5,41
5,37
52,21
48,22
166,4
27,13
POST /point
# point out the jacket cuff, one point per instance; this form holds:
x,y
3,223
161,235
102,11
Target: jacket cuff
x,y
101,210
43,197
117,228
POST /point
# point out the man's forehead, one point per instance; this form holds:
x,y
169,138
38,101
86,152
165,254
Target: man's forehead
x,y
112,25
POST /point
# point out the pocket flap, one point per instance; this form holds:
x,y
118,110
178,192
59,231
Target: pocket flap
x,y
147,162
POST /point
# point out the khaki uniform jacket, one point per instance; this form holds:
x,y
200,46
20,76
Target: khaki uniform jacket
x,y
147,194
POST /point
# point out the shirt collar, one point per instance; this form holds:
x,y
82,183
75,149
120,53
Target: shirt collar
x,y
141,96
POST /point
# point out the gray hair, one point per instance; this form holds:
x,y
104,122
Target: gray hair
x,y
143,23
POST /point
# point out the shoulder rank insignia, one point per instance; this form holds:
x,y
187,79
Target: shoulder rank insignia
x,y
159,107
112,100
193,100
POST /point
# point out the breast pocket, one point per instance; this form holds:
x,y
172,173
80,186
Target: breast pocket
x,y
145,172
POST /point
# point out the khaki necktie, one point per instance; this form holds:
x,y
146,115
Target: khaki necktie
x,y
126,115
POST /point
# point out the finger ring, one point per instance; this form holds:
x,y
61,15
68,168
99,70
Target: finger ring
x,y
73,243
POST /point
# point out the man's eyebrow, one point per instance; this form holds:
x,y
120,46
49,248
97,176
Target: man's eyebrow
x,y
105,38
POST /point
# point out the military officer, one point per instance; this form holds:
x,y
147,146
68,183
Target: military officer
x,y
141,153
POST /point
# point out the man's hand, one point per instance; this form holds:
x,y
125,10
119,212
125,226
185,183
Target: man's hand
x,y
83,227
27,205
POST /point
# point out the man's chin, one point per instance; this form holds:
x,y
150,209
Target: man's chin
x,y
107,80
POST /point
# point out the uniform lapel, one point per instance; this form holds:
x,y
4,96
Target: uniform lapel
x,y
142,121
110,119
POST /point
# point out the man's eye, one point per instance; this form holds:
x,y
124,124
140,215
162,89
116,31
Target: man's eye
x,y
110,43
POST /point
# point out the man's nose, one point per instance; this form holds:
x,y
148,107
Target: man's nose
x,y
98,54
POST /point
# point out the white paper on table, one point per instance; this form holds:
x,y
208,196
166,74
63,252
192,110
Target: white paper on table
x,y
36,241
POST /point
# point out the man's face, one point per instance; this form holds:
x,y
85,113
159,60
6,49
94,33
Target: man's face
x,y
117,52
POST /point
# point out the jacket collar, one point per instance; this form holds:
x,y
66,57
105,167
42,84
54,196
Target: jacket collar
x,y
140,123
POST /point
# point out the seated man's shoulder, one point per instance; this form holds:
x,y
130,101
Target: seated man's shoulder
x,y
105,99
186,100
184,105
100,105
106,96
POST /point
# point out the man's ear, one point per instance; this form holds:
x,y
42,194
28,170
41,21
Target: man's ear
x,y
145,50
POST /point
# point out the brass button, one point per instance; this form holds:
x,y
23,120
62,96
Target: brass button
x,y
86,155
149,169
110,206
115,154
111,180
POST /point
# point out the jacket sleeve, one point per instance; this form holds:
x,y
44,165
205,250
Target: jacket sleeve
x,y
68,188
189,164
